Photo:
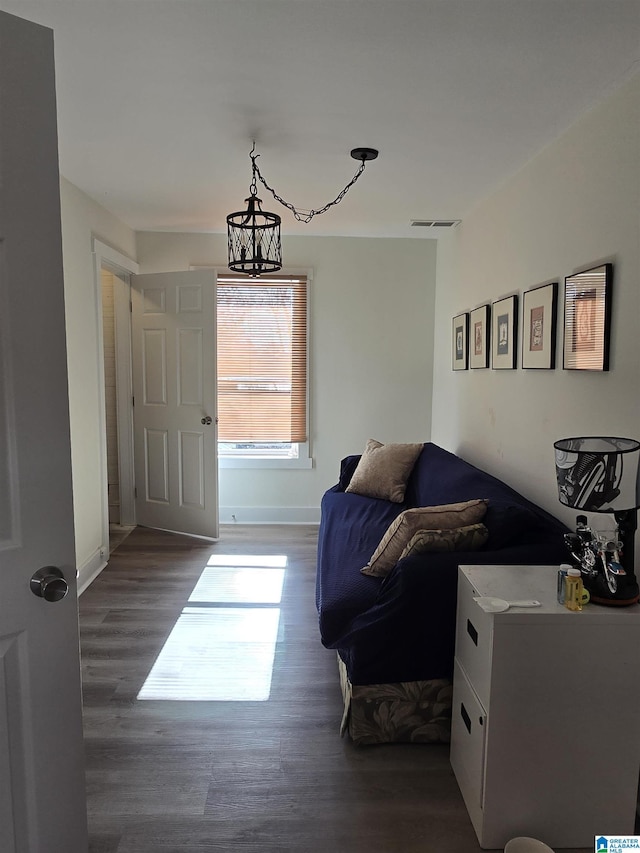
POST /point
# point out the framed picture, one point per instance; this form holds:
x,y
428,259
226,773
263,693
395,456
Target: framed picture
x,y
504,333
479,337
539,319
587,319
460,342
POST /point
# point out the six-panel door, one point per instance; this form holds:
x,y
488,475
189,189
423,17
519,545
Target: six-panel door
x,y
174,385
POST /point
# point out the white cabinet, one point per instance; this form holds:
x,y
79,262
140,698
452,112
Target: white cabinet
x,y
545,738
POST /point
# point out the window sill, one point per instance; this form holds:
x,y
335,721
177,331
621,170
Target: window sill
x,y
266,463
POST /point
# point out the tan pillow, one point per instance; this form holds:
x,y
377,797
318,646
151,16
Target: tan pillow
x,y
383,470
468,538
408,523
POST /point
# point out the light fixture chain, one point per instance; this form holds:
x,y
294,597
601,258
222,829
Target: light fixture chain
x,y
308,215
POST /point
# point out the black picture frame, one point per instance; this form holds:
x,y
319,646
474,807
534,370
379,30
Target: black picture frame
x,y
587,319
460,341
539,327
504,333
479,337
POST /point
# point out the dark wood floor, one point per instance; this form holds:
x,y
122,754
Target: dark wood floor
x,y
166,776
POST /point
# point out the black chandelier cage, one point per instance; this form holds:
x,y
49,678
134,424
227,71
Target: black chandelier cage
x,y
254,239
253,235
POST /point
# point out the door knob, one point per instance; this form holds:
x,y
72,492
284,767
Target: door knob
x,y
49,583
207,420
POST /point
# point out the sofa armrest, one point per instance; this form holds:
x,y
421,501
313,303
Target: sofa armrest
x,y
347,468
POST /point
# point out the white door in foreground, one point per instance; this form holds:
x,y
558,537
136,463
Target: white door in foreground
x,y
42,791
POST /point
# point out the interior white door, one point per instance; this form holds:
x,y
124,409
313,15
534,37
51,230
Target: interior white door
x,y
174,389
42,789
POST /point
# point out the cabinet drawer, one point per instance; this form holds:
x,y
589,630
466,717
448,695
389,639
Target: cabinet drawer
x,y
468,735
474,640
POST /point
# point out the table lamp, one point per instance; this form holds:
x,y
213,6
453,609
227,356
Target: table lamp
x,y
598,474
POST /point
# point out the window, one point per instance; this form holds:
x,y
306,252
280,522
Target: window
x,y
262,369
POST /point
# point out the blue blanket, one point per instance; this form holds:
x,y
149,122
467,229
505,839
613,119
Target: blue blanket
x,y
402,627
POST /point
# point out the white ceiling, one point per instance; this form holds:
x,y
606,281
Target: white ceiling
x,y
159,100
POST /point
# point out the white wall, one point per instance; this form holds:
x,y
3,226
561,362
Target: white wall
x,y
372,327
81,220
575,205
371,340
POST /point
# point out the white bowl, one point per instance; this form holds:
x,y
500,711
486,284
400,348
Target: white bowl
x,y
526,845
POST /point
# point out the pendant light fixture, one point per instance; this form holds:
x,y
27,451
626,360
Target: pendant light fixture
x,y
254,234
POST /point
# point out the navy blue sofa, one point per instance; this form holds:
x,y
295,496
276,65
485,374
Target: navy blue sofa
x,y
395,636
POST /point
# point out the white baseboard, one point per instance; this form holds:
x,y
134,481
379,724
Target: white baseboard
x,y
269,515
90,570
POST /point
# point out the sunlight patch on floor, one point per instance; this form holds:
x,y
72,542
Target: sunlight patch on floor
x,y
238,586
223,653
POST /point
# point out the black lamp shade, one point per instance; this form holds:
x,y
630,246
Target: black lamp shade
x,y
597,474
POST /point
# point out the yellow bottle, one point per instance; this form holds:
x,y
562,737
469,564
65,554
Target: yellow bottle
x,y
573,590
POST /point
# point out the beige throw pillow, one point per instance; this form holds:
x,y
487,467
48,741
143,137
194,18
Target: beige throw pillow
x,y
468,538
408,523
383,470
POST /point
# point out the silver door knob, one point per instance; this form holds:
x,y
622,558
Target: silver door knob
x,y
206,421
49,583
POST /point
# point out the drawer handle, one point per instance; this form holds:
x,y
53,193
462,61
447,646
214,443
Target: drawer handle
x,y
471,631
465,717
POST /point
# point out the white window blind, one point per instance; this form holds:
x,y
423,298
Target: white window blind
x,y
262,359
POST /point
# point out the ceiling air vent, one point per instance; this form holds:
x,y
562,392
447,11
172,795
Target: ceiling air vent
x,y
435,223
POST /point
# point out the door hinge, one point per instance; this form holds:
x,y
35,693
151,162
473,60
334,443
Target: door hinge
x,y
130,307
135,491
133,402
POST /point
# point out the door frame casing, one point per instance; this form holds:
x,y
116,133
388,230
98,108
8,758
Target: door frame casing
x,y
105,257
